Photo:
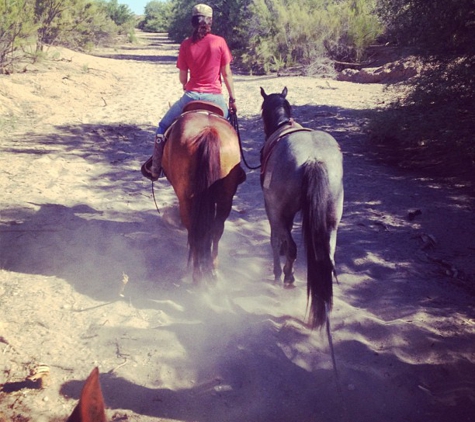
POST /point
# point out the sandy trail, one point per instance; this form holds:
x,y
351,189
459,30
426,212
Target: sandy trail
x,y
77,220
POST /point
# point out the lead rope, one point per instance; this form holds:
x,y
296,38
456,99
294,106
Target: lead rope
x,y
235,124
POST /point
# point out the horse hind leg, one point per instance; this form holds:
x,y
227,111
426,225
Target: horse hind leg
x,y
336,213
203,265
276,245
291,256
281,241
223,209
197,274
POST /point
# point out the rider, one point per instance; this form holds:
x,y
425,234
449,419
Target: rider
x,y
203,59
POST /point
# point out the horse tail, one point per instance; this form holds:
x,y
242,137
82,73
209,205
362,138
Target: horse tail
x,y
203,208
317,223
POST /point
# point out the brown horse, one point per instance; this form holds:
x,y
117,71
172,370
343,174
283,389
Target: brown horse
x,y
201,160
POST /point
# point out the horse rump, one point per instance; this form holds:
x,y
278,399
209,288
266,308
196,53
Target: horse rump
x,y
318,220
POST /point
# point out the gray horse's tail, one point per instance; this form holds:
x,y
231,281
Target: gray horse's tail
x,y
317,222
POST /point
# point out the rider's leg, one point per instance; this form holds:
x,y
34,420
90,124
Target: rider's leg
x,y
158,146
173,112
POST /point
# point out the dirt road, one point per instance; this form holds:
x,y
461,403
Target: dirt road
x,y
91,274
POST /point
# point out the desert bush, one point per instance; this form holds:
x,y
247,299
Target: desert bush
x,y
84,27
286,33
27,26
51,18
16,30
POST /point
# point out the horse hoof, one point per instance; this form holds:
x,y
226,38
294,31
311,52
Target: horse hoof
x,y
289,282
213,277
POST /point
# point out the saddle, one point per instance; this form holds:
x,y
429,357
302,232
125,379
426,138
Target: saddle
x,y
196,106
202,106
274,139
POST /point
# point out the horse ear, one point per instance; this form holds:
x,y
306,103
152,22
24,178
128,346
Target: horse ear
x,y
284,92
91,403
263,93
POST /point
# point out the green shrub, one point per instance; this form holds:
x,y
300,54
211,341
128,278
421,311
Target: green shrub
x,y
286,33
16,30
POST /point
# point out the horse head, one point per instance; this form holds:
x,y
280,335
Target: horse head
x,y
276,110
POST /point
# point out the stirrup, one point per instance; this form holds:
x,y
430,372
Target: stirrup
x,y
146,170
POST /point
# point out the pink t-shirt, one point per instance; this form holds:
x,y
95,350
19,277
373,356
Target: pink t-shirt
x,y
204,60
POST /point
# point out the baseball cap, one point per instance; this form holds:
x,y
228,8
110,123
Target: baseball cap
x,y
202,10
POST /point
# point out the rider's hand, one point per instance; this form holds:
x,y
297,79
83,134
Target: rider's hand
x,y
232,105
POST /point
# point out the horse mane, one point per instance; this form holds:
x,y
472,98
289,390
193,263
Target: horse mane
x,y
276,111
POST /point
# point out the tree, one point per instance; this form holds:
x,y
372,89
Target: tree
x,y
436,27
86,26
16,29
438,112
119,13
157,16
48,19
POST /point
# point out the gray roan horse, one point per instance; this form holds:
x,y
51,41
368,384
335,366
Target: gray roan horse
x,y
302,170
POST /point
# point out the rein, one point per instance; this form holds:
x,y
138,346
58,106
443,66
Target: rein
x,y
235,124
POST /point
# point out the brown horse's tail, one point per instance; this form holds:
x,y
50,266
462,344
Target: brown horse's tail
x,y
318,219
203,206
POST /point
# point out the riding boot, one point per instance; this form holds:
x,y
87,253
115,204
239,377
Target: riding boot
x,y
157,156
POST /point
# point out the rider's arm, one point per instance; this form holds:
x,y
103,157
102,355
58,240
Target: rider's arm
x,y
183,78
228,81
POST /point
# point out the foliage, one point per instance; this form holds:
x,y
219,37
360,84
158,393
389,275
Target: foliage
x,y
120,14
74,23
86,26
158,15
302,32
16,30
79,24
434,27
437,113
267,35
